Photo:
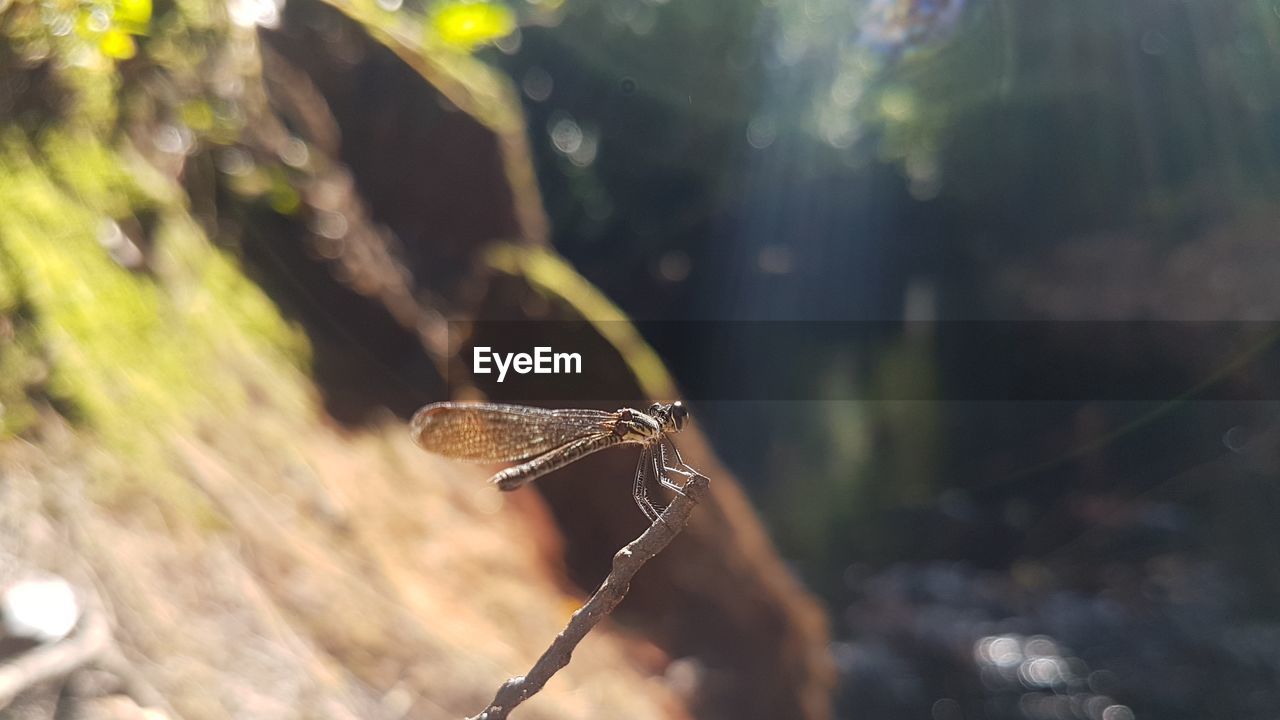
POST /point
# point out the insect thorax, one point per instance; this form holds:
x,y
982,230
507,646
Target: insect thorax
x,y
634,426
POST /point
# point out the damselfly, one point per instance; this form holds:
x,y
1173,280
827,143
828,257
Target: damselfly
x,y
545,440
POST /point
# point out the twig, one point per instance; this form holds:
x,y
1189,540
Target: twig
x,y
626,562
49,662
90,644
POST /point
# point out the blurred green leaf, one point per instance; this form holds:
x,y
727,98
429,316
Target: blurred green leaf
x,y
197,115
117,44
466,25
132,16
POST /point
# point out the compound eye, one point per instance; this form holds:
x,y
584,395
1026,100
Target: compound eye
x,y
679,414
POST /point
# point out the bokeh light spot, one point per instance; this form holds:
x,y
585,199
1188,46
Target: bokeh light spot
x,y
674,266
761,132
537,84
1117,712
774,260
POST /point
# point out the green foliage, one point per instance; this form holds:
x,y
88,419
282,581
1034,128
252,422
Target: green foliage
x,y
839,456
132,355
21,368
467,25
1096,110
136,357
91,35
132,358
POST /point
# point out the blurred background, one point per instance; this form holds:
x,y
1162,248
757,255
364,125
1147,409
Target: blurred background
x,y
975,304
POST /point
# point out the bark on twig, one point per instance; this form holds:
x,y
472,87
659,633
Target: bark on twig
x,y
626,562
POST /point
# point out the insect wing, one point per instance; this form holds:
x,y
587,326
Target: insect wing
x,y
487,432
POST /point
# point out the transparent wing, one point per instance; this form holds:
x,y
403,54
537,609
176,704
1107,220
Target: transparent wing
x,y
488,432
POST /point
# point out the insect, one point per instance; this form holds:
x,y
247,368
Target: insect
x,y
541,440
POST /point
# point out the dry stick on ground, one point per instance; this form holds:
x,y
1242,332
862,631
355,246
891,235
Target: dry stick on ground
x,y
625,564
90,644
49,662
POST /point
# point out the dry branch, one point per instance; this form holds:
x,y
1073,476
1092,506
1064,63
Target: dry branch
x,y
49,662
626,563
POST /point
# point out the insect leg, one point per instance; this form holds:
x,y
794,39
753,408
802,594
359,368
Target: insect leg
x,y
684,471
656,465
640,492
688,470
